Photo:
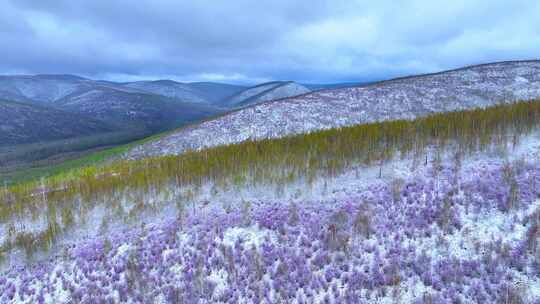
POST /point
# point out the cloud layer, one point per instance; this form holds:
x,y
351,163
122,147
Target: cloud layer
x,y
252,41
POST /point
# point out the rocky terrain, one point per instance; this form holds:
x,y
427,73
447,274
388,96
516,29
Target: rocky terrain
x,y
403,98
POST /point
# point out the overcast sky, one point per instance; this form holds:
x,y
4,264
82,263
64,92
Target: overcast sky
x,y
256,40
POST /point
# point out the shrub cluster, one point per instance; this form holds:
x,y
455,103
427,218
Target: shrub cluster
x,y
375,245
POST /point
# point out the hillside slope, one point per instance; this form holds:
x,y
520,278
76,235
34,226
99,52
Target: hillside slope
x,y
266,92
152,105
199,92
40,88
48,89
168,88
25,123
402,98
321,86
51,118
216,93
127,109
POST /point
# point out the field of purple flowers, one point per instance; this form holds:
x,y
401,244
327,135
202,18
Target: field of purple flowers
x,y
445,236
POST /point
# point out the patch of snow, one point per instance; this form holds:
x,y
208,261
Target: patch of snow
x,y
252,235
59,295
219,277
521,79
122,251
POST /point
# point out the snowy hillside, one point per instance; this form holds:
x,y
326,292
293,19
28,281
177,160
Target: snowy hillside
x,y
168,88
25,123
266,92
450,233
127,109
55,115
210,93
155,104
39,88
404,98
48,89
108,103
216,93
435,223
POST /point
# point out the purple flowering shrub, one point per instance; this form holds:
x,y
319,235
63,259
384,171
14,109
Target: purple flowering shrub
x,y
421,244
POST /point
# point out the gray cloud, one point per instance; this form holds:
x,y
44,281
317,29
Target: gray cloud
x,y
244,40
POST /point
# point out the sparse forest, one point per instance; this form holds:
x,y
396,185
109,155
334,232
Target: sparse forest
x,y
62,200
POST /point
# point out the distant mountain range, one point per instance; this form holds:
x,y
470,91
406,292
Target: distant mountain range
x,y
74,99
47,108
35,109
143,106
22,123
402,98
266,92
210,93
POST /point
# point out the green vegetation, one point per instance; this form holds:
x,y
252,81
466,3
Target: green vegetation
x,y
40,170
274,162
35,173
34,169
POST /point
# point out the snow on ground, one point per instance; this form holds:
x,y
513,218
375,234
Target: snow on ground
x,y
266,92
323,190
219,225
171,89
443,238
405,98
250,236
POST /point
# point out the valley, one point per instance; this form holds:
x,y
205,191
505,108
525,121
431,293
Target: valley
x,y
49,119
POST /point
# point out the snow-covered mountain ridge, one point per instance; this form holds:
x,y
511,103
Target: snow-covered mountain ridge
x,y
403,98
266,92
49,89
209,93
